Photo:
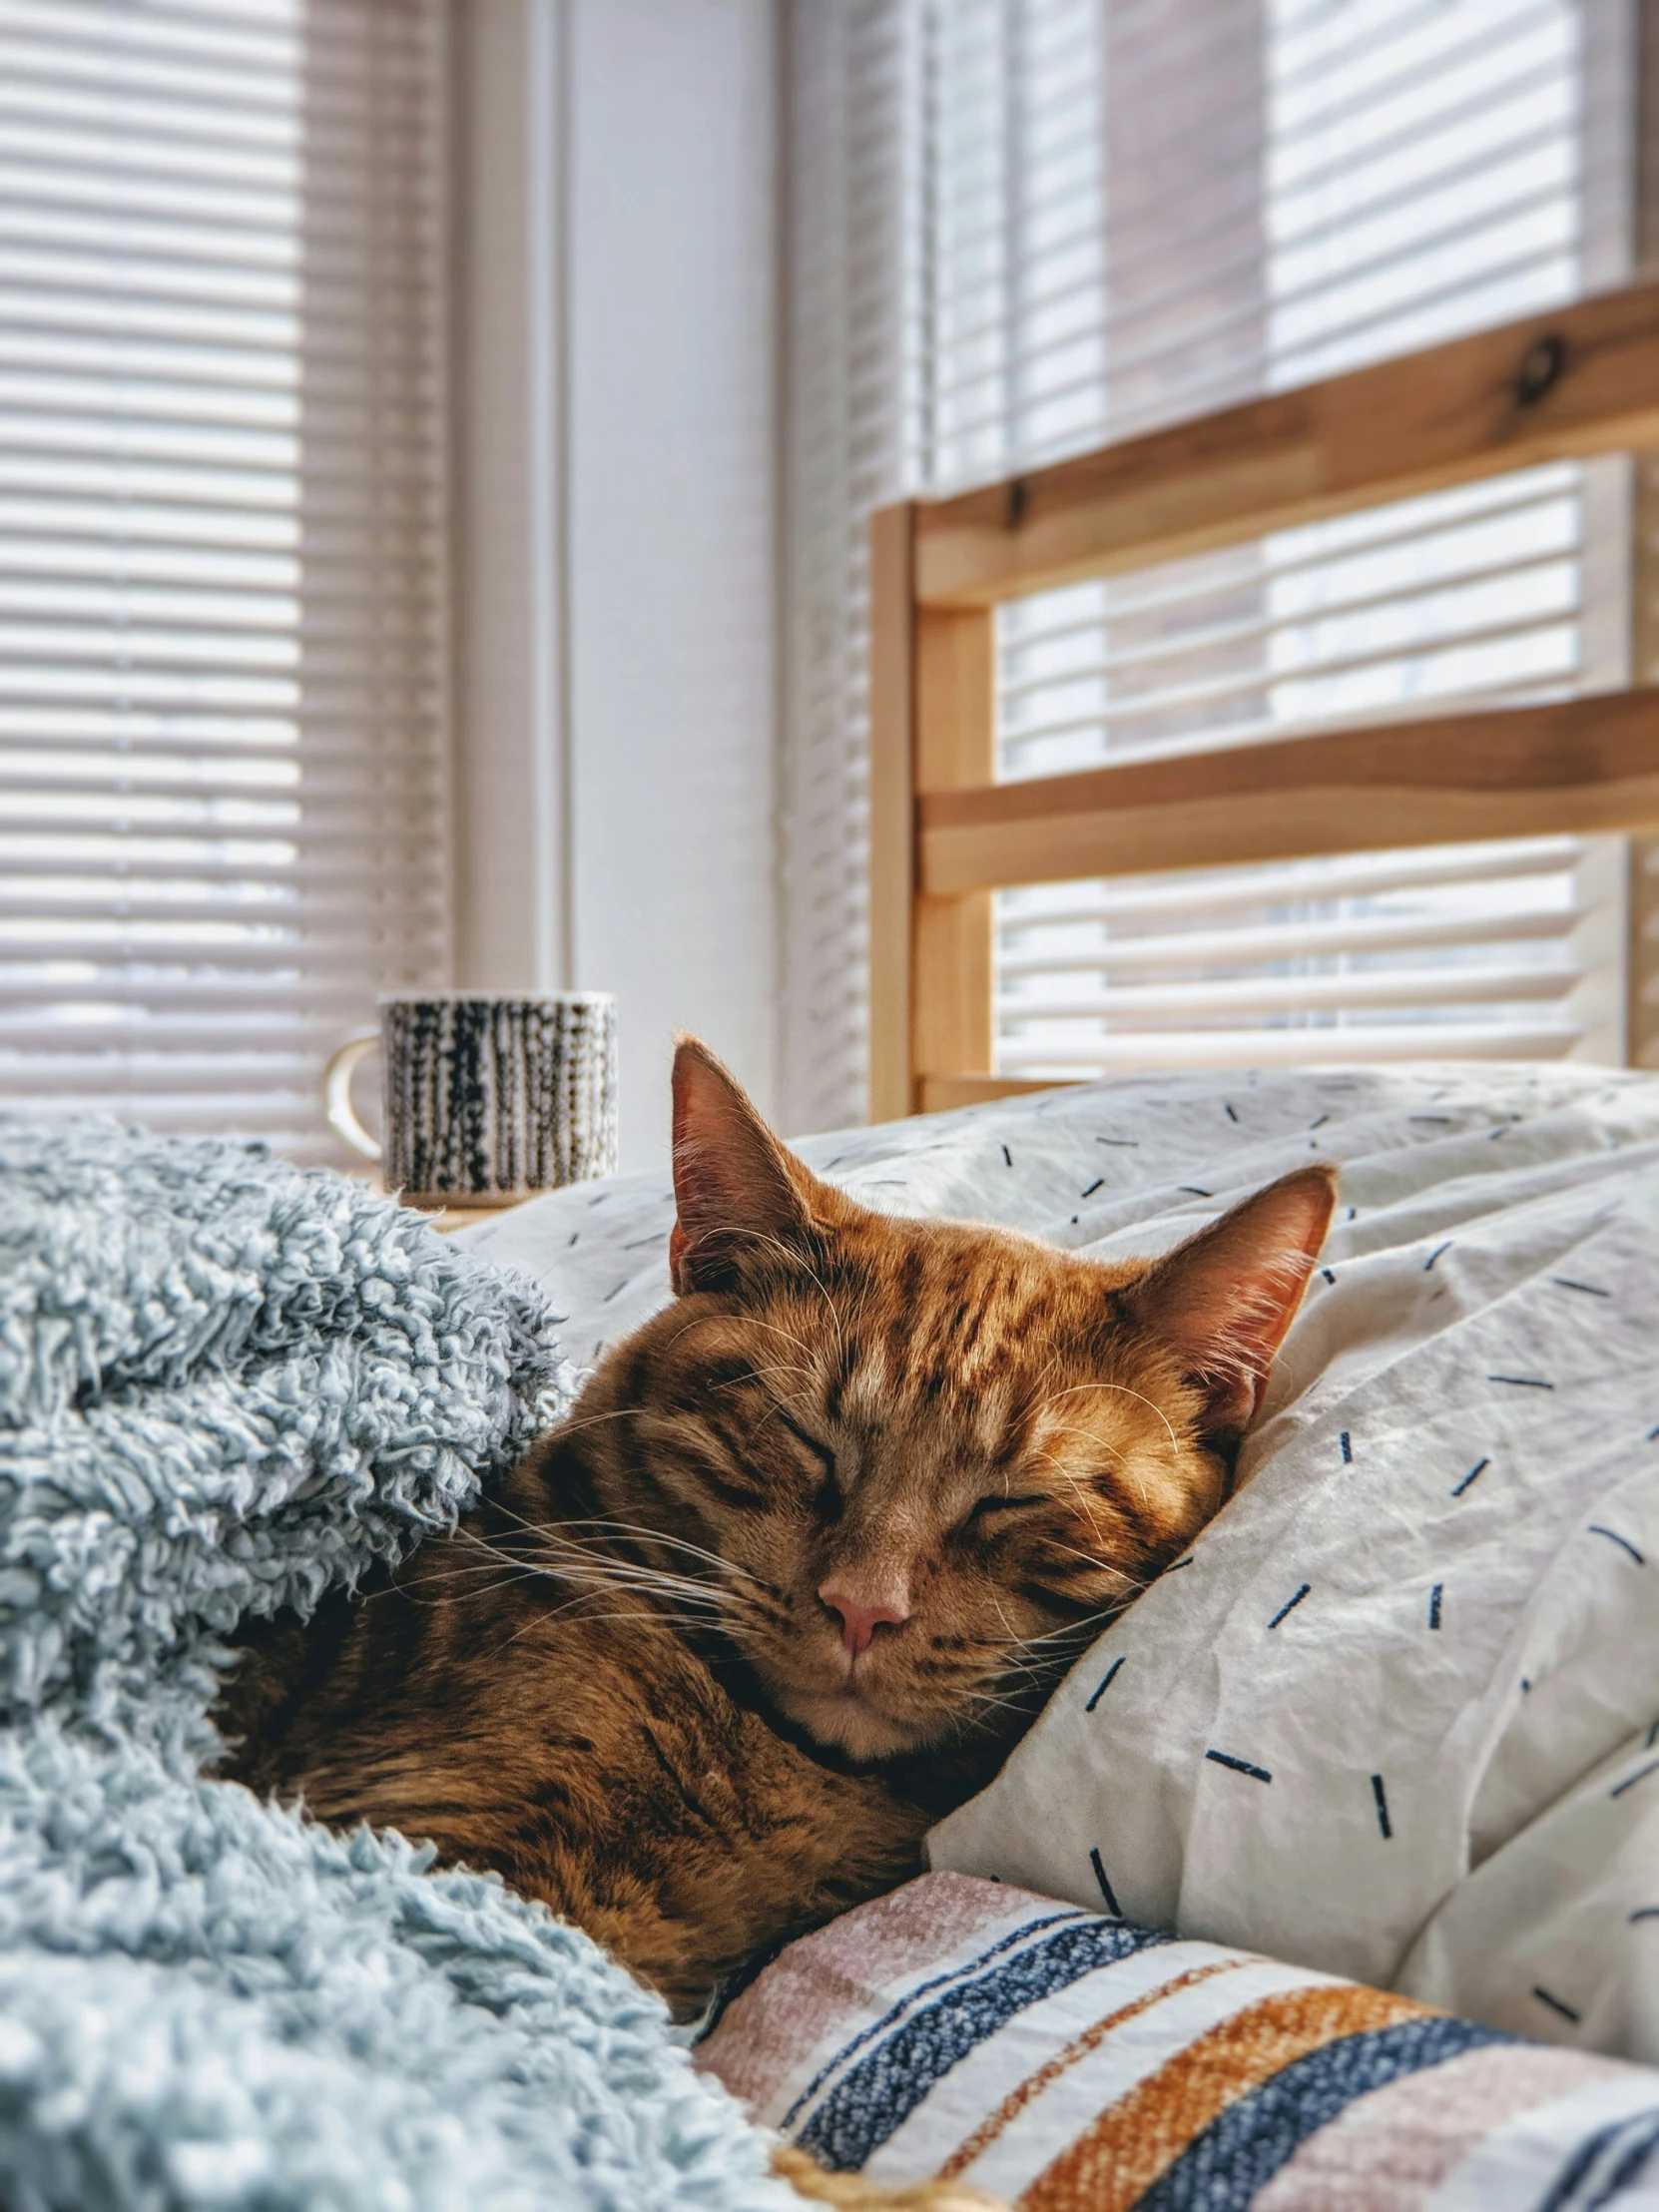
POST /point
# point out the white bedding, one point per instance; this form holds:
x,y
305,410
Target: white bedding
x,y
1430,1614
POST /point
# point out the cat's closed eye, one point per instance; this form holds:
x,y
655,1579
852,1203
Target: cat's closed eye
x,y
828,1502
997,1502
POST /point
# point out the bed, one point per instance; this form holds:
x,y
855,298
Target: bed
x,y
1326,1878
1349,1829
1331,1876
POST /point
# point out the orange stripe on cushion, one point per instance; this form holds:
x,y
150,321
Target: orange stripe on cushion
x,y
1017,2099
1134,2140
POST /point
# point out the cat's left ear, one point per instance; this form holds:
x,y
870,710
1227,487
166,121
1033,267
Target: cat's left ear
x,y
735,1187
1222,1300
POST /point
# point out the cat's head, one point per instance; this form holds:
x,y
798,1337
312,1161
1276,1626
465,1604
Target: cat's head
x,y
917,1462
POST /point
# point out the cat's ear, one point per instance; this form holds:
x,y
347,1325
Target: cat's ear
x,y
734,1184
1223,1300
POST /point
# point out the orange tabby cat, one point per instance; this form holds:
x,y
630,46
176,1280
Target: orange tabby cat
x,y
802,1563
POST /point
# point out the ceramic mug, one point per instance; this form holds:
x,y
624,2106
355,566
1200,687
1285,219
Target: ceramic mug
x,y
484,1100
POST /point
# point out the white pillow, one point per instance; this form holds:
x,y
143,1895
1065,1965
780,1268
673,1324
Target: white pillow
x,y
1424,1639
1453,1492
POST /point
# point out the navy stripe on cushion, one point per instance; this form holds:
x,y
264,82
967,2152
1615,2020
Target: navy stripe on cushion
x,y
869,2103
912,1997
1245,2146
1605,2165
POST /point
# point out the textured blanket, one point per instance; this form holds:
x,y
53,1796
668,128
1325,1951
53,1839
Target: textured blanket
x,y
225,1387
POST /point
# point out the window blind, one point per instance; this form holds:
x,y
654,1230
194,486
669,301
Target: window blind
x,y
223,682
1420,170
1134,211
856,100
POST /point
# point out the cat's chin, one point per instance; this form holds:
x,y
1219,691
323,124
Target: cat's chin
x,y
847,1720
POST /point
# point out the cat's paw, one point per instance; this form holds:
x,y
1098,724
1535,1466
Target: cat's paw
x,y
852,2193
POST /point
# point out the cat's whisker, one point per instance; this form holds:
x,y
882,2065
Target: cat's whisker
x,y
983,1698
718,1604
572,1424
657,1615
634,1529
541,1620
549,1541
466,1570
600,1571
777,1328
1101,1566
758,1375
1107,1612
797,1259
1075,1630
657,1618
720,1609
1087,1501
451,1571
1022,1683
579,1560
412,1593
996,1600
1120,1390
772,1329
715,1601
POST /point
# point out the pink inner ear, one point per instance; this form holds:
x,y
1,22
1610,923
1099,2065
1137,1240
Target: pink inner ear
x,y
1223,1300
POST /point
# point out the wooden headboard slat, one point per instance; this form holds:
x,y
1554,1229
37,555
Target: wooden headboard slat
x,y
1582,381
1580,765
944,834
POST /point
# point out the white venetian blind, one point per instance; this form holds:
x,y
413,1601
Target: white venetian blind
x,y
855,189
222,679
1120,213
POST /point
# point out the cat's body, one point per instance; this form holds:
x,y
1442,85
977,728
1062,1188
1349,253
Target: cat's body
x,y
810,1551
599,1758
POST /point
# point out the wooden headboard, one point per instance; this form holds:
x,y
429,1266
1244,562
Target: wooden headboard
x,y
944,834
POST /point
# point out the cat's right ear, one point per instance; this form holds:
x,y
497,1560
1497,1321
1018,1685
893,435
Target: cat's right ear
x,y
733,1188
1223,1300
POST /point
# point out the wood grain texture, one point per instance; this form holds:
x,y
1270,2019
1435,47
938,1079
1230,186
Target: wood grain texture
x,y
1641,970
1580,765
951,1026
1641,1028
952,938
936,1094
891,809
1642,957
955,700
1581,380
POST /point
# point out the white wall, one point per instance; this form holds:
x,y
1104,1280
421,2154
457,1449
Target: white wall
x,y
511,796
672,579
617,588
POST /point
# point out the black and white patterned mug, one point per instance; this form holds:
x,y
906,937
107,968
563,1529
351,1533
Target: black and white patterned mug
x,y
485,1100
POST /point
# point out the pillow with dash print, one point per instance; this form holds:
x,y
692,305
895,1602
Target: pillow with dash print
x,y
1396,1715
1365,1727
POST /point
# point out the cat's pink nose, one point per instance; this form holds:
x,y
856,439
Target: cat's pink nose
x,y
861,1617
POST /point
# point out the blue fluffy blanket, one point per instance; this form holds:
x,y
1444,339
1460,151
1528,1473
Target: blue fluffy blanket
x,y
225,1385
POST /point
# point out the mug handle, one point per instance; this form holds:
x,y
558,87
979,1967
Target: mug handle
x,y
337,1093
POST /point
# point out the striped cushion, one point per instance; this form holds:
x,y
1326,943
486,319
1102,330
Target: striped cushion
x,y
1065,2060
